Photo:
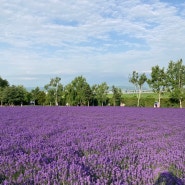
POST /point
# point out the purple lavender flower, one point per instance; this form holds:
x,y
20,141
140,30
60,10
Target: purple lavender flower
x,y
91,145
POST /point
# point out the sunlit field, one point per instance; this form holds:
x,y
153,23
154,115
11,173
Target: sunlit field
x,y
92,145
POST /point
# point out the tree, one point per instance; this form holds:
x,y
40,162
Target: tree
x,y
157,81
78,92
3,83
41,98
94,94
101,92
54,89
15,95
117,95
38,97
50,97
138,80
88,94
69,94
34,95
176,80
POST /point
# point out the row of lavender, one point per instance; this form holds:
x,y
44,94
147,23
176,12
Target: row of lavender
x,y
91,145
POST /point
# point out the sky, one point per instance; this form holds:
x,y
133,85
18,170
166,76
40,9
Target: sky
x,y
102,40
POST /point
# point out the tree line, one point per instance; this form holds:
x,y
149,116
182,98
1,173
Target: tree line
x,y
171,80
79,93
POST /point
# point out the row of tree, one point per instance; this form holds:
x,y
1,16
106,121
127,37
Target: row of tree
x,y
79,92
170,80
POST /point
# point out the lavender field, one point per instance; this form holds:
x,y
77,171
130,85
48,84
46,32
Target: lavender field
x,y
92,145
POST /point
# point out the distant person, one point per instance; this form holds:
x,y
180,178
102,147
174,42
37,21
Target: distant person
x,y
156,105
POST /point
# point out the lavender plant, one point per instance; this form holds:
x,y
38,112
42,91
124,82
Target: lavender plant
x,y
91,145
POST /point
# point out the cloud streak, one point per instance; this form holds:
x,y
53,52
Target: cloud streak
x,y
86,37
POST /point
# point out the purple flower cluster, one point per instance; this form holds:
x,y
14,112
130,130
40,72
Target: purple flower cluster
x,y
91,145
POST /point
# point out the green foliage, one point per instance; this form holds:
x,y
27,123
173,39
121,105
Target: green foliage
x,y
41,97
176,80
157,81
15,95
100,93
130,101
34,95
148,101
78,92
54,91
168,88
3,83
117,96
138,80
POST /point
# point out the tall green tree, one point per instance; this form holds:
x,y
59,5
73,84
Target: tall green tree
x,y
101,92
176,80
117,95
3,83
34,95
88,94
54,89
138,80
41,98
15,95
78,92
70,94
38,97
94,94
50,97
157,81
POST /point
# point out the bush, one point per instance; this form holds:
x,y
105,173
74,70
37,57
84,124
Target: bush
x,y
148,101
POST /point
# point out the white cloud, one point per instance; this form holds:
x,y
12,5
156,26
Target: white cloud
x,y
83,36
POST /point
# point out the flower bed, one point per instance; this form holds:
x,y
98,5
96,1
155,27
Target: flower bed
x,y
91,145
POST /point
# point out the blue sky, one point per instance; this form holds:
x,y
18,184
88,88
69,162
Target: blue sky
x,y
102,40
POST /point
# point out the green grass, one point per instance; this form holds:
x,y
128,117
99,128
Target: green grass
x,y
146,95
143,95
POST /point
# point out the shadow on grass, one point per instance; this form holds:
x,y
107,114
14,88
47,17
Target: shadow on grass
x,y
168,178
